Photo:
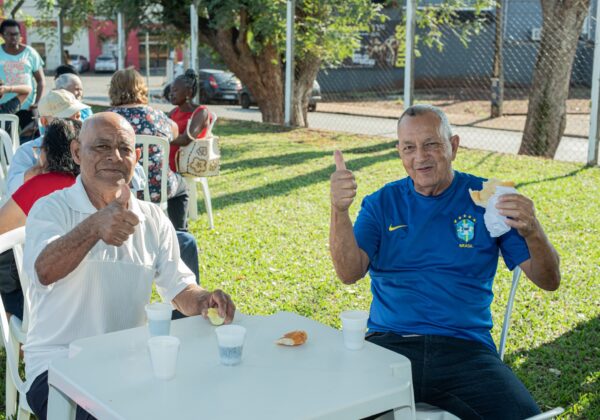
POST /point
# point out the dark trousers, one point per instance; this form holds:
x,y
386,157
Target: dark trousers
x,y
10,286
177,205
37,398
465,378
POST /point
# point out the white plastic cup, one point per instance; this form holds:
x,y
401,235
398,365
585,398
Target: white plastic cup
x,y
159,318
231,343
163,353
354,326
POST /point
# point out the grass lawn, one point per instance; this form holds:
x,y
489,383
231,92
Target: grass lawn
x,y
269,248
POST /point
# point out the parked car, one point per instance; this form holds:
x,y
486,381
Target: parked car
x,y
215,85
218,85
246,99
80,63
105,63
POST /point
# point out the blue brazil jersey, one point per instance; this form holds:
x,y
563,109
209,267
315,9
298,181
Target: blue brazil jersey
x,y
432,260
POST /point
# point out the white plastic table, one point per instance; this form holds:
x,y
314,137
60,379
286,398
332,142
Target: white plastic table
x,y
111,376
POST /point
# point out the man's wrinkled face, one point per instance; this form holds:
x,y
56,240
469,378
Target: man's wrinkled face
x,y
12,36
76,88
106,153
427,156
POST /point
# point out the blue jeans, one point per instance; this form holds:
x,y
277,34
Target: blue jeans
x,y
465,378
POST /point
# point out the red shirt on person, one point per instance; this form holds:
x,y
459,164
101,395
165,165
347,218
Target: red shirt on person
x,y
40,186
181,118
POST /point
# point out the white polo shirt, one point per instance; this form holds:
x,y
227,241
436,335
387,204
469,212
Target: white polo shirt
x,y
108,290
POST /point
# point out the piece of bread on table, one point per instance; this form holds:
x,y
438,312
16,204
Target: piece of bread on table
x,y
293,338
489,188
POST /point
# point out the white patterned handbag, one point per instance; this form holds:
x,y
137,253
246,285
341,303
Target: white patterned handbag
x,y
201,157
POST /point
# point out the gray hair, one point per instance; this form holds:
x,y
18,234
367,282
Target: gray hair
x,y
445,130
65,80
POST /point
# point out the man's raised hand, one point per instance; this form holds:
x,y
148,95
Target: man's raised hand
x,y
343,185
115,222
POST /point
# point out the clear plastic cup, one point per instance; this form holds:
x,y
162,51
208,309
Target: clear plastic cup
x,y
163,353
231,343
159,318
354,326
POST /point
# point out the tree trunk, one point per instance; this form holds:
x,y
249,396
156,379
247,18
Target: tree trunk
x,y
61,30
306,73
546,116
262,72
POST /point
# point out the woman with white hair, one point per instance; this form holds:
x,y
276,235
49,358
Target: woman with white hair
x,y
72,83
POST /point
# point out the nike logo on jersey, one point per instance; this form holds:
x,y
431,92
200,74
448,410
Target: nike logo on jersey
x,y
393,228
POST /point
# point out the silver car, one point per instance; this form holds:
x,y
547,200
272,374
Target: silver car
x,y
105,63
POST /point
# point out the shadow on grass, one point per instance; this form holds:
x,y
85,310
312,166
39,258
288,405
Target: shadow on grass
x,y
576,354
481,161
553,178
284,186
290,159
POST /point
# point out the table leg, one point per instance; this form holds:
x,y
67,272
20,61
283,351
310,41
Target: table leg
x,y
60,407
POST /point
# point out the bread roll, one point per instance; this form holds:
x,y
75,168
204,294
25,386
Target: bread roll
x,y
489,188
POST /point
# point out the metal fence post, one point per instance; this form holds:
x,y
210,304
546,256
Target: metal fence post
x,y
289,62
409,66
594,128
194,44
120,41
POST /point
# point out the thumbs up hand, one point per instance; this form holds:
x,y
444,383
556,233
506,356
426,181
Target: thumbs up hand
x,y
115,222
343,185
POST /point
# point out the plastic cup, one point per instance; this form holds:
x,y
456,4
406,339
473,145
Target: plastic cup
x,y
159,318
354,326
163,353
231,343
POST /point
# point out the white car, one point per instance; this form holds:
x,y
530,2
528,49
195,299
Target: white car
x,y
105,63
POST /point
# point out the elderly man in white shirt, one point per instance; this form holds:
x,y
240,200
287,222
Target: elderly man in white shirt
x,y
92,253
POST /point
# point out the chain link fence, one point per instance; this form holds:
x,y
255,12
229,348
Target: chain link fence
x,y
458,78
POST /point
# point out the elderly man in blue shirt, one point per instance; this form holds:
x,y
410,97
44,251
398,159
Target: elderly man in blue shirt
x,y
432,264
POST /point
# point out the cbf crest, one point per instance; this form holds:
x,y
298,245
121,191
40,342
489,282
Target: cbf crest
x,y
465,229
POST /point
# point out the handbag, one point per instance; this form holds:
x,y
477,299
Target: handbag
x,y
201,157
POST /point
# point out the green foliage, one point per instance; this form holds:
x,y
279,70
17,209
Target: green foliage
x,y
76,15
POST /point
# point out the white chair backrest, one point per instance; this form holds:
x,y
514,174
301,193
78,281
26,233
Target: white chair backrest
x,y
13,239
6,154
145,141
11,120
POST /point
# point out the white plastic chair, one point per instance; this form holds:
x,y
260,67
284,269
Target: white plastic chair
x,y
146,141
193,180
6,154
13,132
14,333
429,412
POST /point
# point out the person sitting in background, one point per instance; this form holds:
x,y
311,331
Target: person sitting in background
x,y
58,171
24,165
12,106
72,83
182,92
129,98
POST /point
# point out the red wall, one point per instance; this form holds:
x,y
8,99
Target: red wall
x,y
108,29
